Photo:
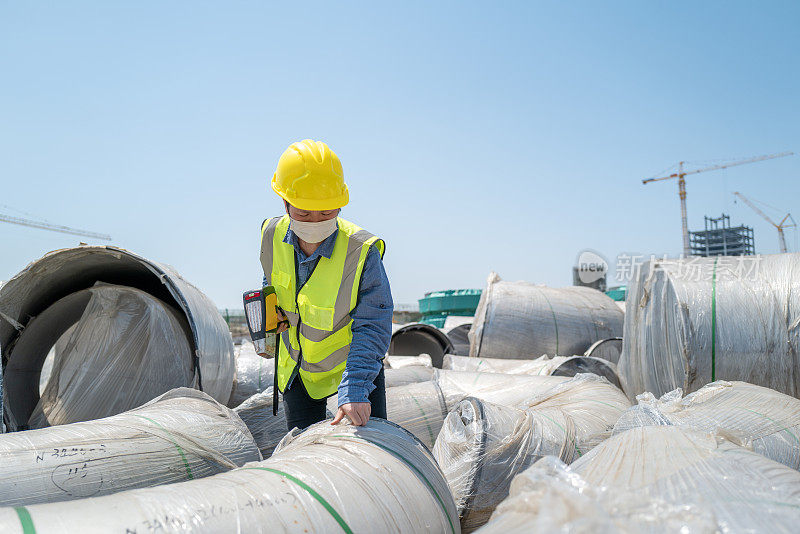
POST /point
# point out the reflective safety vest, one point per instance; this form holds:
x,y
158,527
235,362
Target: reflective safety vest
x,y
320,327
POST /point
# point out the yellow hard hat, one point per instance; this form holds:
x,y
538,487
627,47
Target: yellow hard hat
x,y
309,177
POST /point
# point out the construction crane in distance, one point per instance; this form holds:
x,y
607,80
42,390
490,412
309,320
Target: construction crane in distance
x,y
680,175
780,226
52,227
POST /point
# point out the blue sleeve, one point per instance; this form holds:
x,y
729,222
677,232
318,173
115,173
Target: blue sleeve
x,y
372,332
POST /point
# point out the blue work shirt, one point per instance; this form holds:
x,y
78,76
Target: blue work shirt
x,y
372,317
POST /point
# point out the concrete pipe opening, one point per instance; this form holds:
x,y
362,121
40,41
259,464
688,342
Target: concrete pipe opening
x,y
56,292
420,338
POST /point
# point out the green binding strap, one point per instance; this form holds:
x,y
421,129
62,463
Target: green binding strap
x,y
320,499
172,439
714,321
409,464
25,520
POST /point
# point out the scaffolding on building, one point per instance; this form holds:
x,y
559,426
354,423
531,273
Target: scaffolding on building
x,y
721,239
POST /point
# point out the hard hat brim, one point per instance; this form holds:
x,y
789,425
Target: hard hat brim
x,y
314,204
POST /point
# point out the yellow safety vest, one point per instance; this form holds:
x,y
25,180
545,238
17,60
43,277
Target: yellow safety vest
x,y
320,327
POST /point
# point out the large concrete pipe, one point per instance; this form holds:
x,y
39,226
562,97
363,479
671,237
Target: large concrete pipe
x,y
482,446
509,390
254,374
607,349
417,407
420,338
183,434
543,365
694,321
376,478
755,417
45,299
459,337
519,320
654,479
126,348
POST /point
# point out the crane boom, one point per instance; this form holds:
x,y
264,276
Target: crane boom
x,y
780,226
681,176
52,227
719,167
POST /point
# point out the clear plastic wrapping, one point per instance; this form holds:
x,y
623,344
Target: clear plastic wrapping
x,y
543,365
508,390
408,374
254,373
482,445
419,408
398,362
327,479
519,320
126,348
40,303
267,429
755,417
183,434
690,322
654,479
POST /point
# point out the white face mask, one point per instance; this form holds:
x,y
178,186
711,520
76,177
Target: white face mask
x,y
313,232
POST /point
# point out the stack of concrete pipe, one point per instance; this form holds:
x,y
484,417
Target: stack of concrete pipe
x,y
483,445
755,417
697,320
518,320
654,479
72,287
327,479
184,434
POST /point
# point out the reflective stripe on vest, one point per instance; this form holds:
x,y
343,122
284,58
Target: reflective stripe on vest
x,y
320,332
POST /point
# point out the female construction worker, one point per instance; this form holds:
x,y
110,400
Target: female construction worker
x,y
329,279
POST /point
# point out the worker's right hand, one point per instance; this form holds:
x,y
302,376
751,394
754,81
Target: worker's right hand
x,y
283,322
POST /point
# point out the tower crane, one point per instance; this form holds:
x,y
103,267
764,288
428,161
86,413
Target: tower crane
x,y
52,227
681,174
780,226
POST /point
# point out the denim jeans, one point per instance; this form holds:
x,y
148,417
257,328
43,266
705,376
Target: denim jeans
x,y
303,411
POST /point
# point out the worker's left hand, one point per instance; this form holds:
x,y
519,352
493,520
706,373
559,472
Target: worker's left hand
x,y
358,412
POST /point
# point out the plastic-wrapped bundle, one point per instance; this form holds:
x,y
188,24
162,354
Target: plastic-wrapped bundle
x,y
42,302
327,479
544,365
254,374
508,390
407,375
183,434
482,446
419,408
126,348
519,320
655,479
755,417
267,429
398,362
694,321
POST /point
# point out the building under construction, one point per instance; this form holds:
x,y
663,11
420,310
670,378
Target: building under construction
x,y
721,239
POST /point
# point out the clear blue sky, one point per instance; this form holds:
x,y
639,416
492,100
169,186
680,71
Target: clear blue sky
x,y
474,136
